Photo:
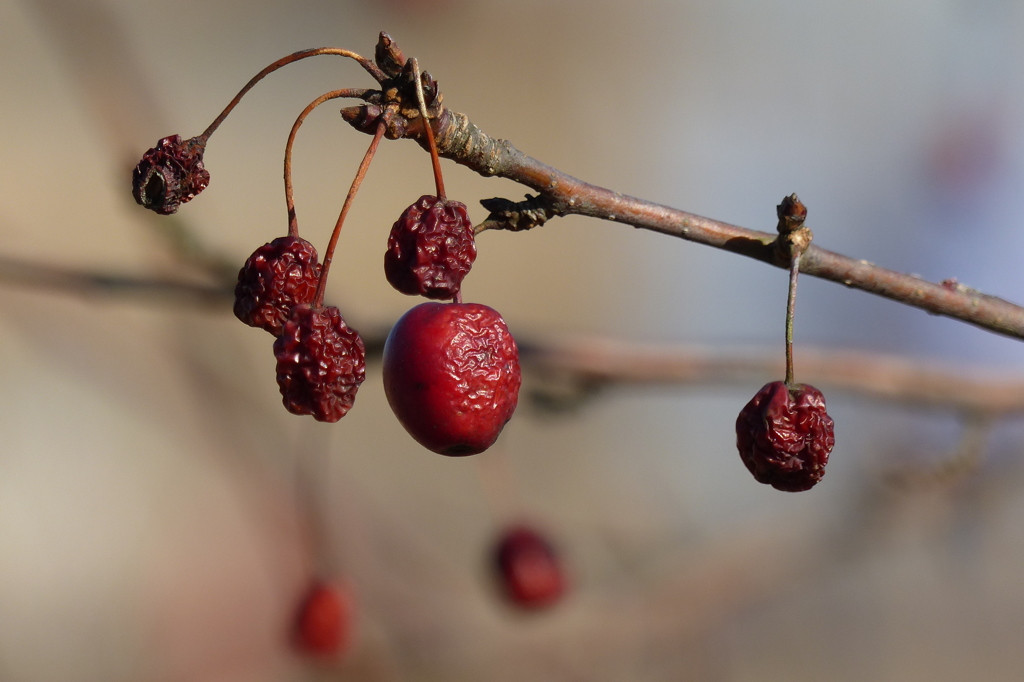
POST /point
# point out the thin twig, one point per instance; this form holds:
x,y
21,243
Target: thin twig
x,y
32,275
595,361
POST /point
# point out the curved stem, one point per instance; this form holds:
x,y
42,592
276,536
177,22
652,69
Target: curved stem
x,y
794,272
434,159
293,224
364,165
377,74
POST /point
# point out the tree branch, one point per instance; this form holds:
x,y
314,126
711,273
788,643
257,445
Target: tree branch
x,y
460,140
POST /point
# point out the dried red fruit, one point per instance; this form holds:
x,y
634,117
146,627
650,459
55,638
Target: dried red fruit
x,y
451,376
430,249
785,436
277,277
320,363
170,174
323,624
528,570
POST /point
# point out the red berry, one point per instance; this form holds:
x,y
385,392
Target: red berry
x,y
320,363
785,436
451,376
170,174
430,249
277,277
528,570
323,624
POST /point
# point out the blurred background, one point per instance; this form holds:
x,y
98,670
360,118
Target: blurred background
x,y
161,513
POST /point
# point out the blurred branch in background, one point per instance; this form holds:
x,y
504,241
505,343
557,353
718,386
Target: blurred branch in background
x,y
594,363
69,281
573,370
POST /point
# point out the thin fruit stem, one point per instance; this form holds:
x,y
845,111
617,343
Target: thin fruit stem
x,y
293,224
318,298
794,272
377,74
434,158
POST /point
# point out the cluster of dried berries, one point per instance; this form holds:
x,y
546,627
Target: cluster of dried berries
x,y
320,363
430,249
323,622
170,174
277,277
785,436
528,570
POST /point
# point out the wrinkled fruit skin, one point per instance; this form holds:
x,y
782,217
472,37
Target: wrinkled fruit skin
x,y
170,174
320,363
277,277
451,376
785,436
527,568
323,624
430,249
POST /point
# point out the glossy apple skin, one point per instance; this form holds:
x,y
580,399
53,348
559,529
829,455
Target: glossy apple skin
x,y
451,376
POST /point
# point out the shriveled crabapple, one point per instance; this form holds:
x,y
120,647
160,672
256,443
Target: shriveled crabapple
x,y
277,277
527,568
451,376
430,249
170,174
323,622
785,436
320,363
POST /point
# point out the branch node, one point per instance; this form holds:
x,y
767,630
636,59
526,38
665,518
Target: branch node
x,y
794,237
516,216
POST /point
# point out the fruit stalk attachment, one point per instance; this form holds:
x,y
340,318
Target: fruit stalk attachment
x,y
794,238
172,172
784,435
428,129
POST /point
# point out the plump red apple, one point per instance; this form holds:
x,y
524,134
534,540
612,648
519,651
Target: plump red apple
x,y
528,570
451,376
